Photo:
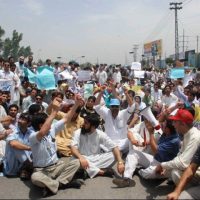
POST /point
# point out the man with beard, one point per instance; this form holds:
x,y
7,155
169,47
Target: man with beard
x,y
20,67
86,146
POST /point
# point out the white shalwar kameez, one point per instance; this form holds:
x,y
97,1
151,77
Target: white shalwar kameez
x,y
89,145
116,128
138,155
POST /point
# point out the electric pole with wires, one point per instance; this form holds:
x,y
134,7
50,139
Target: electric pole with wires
x,y
176,6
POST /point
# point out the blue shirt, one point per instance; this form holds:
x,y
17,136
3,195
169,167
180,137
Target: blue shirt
x,y
14,158
44,151
168,147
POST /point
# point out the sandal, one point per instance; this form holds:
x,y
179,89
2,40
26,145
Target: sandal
x,y
24,175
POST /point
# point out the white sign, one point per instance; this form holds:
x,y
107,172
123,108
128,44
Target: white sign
x,y
136,66
66,75
84,75
139,74
6,84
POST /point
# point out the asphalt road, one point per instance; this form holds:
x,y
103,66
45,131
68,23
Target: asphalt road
x,y
97,188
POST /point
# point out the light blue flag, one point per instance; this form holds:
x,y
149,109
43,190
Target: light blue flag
x,y
31,76
46,79
41,68
177,73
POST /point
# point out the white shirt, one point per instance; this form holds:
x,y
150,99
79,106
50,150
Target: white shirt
x,y
117,77
138,131
102,77
169,100
191,142
116,128
157,95
90,144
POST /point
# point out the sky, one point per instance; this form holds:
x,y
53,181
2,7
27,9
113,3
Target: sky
x,y
98,31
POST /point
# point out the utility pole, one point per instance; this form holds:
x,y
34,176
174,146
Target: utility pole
x,y
135,48
184,41
175,8
197,44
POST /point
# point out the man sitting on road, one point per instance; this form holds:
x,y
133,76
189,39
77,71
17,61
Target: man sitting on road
x,y
50,172
86,146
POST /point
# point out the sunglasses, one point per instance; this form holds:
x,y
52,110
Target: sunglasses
x,y
38,99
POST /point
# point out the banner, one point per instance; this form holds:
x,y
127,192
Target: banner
x,y
6,84
41,68
136,66
31,76
177,73
84,75
153,48
44,78
66,75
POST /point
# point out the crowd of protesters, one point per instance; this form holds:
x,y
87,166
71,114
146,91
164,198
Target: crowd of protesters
x,y
58,138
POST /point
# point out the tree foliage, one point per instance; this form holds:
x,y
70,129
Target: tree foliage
x,y
11,46
2,32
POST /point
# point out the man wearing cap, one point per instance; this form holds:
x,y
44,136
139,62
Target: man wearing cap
x,y
116,119
183,123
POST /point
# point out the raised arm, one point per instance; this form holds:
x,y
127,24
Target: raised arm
x,y
98,99
56,104
128,97
78,102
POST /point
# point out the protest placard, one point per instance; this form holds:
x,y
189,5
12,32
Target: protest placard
x,y
6,84
66,75
139,74
176,73
136,66
84,75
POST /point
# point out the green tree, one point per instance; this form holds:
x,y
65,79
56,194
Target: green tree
x,y
2,32
169,61
11,47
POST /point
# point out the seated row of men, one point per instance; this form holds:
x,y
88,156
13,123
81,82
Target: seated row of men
x,y
34,147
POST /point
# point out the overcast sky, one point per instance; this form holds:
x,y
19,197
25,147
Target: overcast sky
x,y
101,30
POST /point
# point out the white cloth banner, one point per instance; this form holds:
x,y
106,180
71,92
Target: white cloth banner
x,y
136,66
6,84
84,75
139,74
66,75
